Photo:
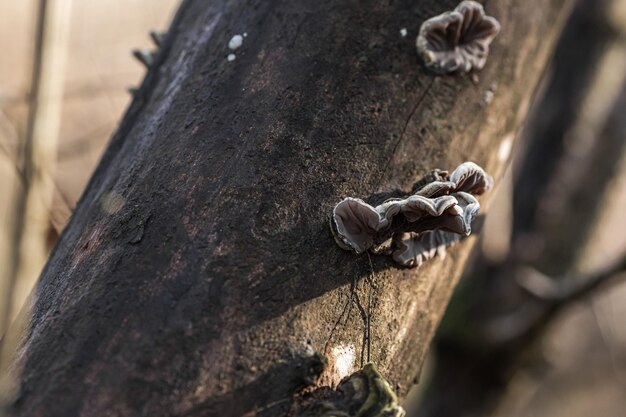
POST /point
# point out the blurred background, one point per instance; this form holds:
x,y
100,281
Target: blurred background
x,y
537,326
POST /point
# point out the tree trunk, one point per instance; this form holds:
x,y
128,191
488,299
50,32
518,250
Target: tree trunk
x,y
198,275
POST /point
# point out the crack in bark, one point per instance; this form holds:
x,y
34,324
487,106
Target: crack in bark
x,y
343,312
354,299
402,134
365,318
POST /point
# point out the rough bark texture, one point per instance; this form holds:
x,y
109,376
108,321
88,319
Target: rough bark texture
x,y
198,275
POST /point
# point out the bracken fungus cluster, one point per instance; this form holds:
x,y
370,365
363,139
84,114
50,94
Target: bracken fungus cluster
x,y
414,228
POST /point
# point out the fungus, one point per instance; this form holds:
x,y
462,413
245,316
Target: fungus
x,y
439,203
436,175
364,393
455,219
413,249
457,41
356,223
471,178
416,207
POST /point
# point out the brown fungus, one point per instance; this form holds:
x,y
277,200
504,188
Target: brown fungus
x,y
413,249
471,178
455,219
457,41
416,207
356,223
445,204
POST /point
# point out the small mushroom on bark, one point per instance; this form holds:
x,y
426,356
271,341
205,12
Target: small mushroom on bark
x,y
356,223
457,41
439,202
471,178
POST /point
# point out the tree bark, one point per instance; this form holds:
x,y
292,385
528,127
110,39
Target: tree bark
x,y
198,275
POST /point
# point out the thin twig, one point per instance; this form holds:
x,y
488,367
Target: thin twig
x,y
548,298
557,292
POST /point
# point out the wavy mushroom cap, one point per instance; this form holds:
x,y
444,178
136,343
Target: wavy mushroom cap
x,y
470,208
457,218
471,178
457,41
417,207
356,223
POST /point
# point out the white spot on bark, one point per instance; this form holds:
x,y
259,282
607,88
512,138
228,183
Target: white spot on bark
x,y
403,32
235,42
409,317
343,357
505,148
231,57
489,94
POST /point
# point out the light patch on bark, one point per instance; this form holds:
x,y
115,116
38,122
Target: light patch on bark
x,y
404,328
342,360
505,147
